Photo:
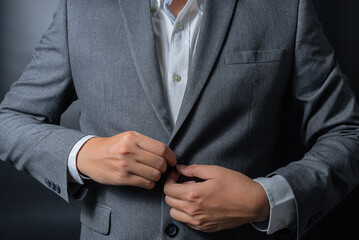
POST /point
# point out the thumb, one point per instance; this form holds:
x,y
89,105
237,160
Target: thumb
x,y
172,178
201,171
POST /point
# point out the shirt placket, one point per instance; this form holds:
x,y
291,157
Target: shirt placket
x,y
179,60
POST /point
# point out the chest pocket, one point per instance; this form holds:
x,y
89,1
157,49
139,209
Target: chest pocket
x,y
253,57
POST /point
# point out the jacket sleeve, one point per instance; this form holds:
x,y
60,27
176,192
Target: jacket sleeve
x,y
30,138
329,120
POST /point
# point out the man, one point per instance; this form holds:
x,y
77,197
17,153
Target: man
x,y
196,83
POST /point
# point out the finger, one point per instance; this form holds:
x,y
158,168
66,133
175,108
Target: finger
x,y
172,188
151,159
158,148
193,227
201,171
189,182
138,181
145,171
180,216
177,204
180,191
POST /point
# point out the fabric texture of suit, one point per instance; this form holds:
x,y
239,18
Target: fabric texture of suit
x,y
254,60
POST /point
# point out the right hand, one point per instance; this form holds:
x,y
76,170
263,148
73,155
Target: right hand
x,y
126,159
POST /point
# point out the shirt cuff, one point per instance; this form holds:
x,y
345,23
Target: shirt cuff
x,y
283,210
74,175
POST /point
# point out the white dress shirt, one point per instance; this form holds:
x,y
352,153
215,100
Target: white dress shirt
x,y
176,40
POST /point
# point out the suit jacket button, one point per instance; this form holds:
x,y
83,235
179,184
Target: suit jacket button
x,y
47,182
171,230
58,189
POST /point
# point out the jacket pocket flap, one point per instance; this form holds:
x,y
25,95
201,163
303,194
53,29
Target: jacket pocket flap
x,y
96,217
248,57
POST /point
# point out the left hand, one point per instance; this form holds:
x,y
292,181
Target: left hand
x,y
226,199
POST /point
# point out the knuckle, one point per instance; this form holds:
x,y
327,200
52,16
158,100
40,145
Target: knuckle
x,y
172,213
121,177
122,166
191,196
199,202
156,175
124,149
146,183
149,184
162,148
162,164
129,136
192,211
198,222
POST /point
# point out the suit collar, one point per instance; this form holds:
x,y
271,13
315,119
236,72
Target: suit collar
x,y
138,26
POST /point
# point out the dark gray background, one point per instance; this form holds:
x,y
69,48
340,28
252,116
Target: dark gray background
x,y
30,211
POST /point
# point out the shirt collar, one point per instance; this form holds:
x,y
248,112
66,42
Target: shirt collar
x,y
156,5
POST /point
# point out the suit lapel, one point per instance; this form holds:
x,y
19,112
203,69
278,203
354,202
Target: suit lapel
x,y
215,22
138,26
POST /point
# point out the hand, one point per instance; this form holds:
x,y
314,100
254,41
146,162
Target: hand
x,y
226,199
129,158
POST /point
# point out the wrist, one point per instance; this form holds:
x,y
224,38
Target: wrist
x,y
261,206
88,151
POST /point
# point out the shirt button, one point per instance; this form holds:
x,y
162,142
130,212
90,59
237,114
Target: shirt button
x,y
176,78
154,8
171,230
180,26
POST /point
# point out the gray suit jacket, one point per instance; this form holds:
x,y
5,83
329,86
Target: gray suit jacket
x,y
254,59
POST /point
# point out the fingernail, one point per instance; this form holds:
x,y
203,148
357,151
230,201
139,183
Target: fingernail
x,y
180,166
